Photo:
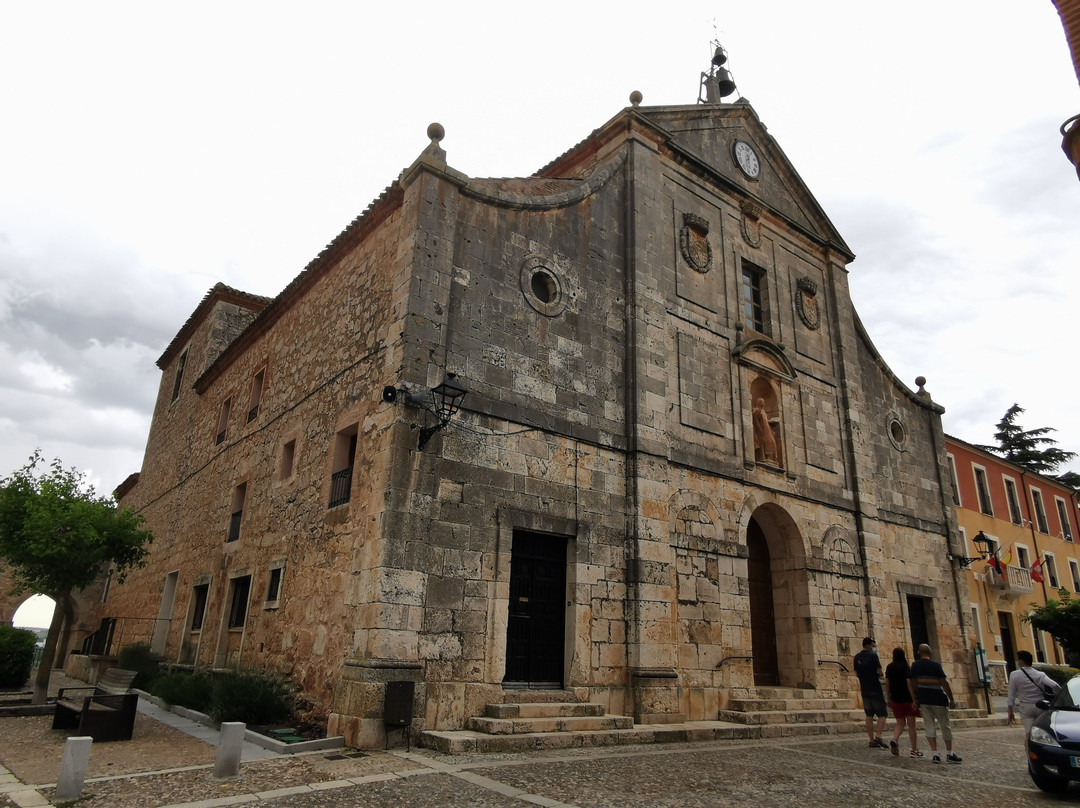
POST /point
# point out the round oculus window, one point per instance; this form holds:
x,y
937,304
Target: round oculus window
x,y
542,285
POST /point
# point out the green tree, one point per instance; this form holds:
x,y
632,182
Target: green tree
x,y
57,536
1061,620
1031,449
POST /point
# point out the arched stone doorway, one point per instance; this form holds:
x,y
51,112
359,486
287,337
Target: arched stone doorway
x,y
780,626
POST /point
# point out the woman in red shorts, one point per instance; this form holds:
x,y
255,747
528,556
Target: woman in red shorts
x,y
903,709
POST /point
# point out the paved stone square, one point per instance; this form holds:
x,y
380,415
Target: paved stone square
x,y
833,772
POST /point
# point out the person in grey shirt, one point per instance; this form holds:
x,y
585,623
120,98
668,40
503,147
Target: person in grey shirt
x,y
1027,686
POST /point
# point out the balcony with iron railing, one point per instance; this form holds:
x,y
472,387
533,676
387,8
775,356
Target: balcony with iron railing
x,y
116,632
340,487
1015,581
234,526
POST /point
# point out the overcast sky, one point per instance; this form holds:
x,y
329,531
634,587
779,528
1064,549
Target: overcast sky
x,y
149,150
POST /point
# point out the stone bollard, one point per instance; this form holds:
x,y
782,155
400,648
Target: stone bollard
x,y
230,746
73,768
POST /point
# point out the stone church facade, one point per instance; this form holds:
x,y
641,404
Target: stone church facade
x,y
681,470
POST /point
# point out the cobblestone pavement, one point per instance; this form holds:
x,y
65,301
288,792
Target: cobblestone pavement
x,y
833,772
162,768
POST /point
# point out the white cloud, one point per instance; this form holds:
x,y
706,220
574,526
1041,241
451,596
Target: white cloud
x,y
156,150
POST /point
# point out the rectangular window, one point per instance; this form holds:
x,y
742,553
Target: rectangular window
x,y
181,362
237,513
223,420
1022,559
1013,499
256,395
288,455
238,601
1040,655
754,301
199,595
1074,570
955,481
1040,511
273,586
982,490
344,457
1051,572
1063,518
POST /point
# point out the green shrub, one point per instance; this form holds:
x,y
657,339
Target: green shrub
x,y
16,655
139,658
191,690
1059,673
254,697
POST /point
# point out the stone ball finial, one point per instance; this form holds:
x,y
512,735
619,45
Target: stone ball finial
x,y
436,132
920,380
635,97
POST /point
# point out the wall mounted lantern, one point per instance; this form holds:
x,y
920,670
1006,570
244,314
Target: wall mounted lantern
x,y
443,401
985,547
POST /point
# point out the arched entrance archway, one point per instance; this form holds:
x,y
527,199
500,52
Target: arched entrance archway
x,y
780,625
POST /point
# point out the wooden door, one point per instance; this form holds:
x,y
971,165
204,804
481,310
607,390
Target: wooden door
x,y
536,627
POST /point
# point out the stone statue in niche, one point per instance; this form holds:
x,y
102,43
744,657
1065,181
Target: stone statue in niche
x,y
765,445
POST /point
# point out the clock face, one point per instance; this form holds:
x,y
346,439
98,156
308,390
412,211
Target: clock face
x,y
747,160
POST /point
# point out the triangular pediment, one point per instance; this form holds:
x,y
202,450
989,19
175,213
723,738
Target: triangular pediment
x,y
706,135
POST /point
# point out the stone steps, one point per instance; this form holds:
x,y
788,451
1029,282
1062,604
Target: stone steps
x,y
543,710
533,720
529,726
468,741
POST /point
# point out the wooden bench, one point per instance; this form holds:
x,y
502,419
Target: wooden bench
x,y
105,711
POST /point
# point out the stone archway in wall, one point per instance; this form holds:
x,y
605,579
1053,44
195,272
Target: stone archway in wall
x,y
782,643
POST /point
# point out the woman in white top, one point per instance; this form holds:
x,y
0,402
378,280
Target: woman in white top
x,y
1026,686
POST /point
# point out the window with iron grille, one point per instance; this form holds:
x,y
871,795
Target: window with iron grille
x,y
199,594
237,514
344,457
223,420
256,395
238,601
273,585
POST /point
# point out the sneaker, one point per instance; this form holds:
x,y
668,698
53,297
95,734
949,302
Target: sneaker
x,y
953,758
880,744
937,758
915,753
894,749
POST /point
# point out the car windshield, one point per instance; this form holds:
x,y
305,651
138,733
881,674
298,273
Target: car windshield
x,y
1069,697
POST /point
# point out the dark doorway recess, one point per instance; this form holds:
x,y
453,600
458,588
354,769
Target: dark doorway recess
x,y
762,616
920,629
536,628
1007,649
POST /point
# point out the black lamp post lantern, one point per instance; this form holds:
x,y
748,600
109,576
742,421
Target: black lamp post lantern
x,y
985,547
446,400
